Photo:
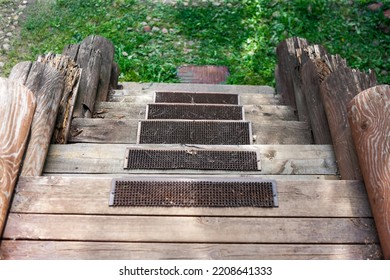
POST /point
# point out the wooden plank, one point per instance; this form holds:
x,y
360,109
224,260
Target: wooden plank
x,y
47,84
134,86
72,74
281,132
190,229
90,195
253,113
146,97
103,131
54,250
337,90
109,158
288,76
17,105
125,131
369,116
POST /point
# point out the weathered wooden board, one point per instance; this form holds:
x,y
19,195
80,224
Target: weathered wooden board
x,y
90,195
134,86
17,105
146,97
125,131
190,229
95,55
281,132
109,159
72,74
47,84
124,110
54,250
369,116
103,131
337,90
288,75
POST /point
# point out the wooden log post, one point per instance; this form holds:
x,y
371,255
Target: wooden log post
x,y
47,84
17,106
337,90
95,55
317,65
72,74
115,72
369,117
287,75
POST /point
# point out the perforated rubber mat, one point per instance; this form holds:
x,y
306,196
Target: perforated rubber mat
x,y
193,193
192,159
195,97
194,112
194,132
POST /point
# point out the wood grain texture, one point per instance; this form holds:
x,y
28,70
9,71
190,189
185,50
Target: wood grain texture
x,y
72,74
125,131
108,159
369,116
89,196
316,65
47,84
288,75
337,90
55,250
126,110
190,229
17,105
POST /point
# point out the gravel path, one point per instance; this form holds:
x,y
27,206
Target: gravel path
x,y
11,12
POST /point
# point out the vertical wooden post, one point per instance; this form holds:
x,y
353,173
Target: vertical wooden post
x,y
337,90
72,73
287,75
369,116
47,84
17,105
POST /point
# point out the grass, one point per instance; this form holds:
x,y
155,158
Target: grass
x,y
242,35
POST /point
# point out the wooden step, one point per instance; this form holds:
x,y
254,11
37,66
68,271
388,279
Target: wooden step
x,y
149,97
253,113
70,250
133,86
125,131
109,159
311,217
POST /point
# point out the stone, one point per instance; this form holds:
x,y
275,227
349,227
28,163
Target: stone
x,y
375,6
147,28
164,30
2,64
155,29
387,13
9,34
6,47
125,54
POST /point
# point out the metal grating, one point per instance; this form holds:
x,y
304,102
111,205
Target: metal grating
x,y
195,97
194,132
192,159
194,112
193,193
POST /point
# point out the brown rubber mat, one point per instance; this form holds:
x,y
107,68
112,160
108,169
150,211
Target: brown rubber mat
x,y
196,98
194,112
195,132
192,159
193,193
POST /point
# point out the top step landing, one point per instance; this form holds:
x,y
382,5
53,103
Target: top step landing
x,y
132,86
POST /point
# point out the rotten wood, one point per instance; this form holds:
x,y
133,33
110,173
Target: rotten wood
x,y
369,117
17,105
47,84
288,80
316,65
72,73
337,90
95,55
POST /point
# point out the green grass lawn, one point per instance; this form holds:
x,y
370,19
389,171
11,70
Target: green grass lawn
x,y
242,35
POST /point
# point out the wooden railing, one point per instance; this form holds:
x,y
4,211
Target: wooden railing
x,y
346,108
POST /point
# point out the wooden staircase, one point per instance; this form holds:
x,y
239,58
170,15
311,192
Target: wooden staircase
x,y
65,213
